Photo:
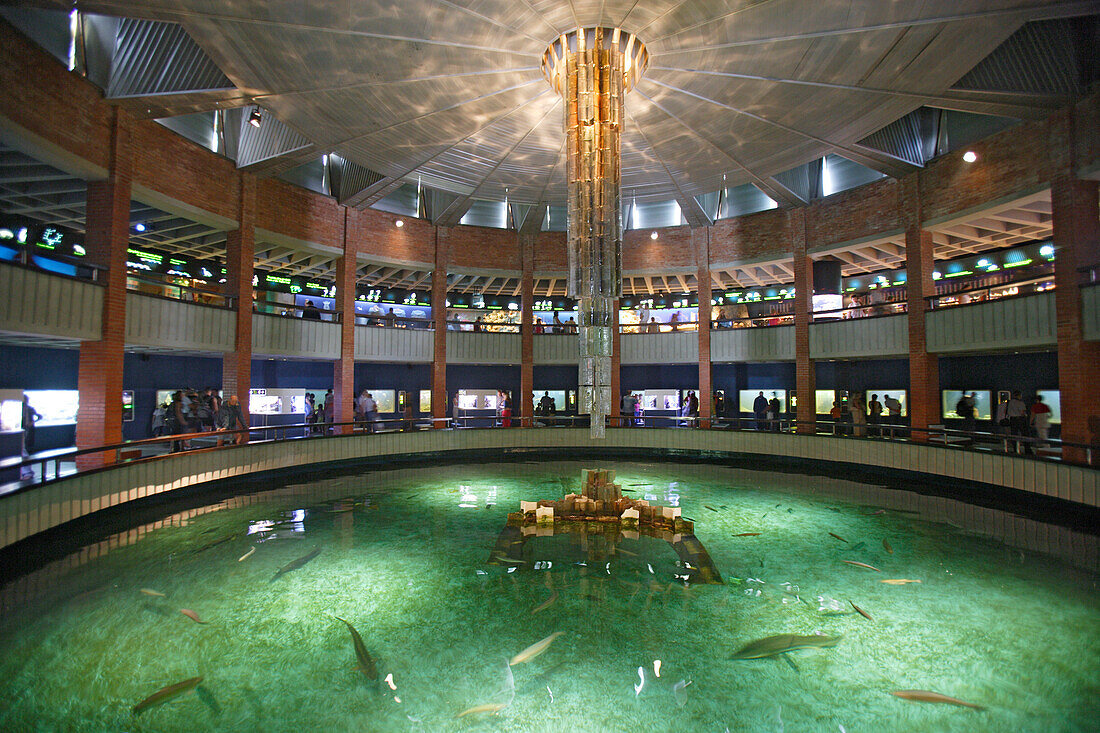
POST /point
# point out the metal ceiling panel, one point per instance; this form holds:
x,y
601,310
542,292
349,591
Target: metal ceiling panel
x,y
270,140
159,58
1039,58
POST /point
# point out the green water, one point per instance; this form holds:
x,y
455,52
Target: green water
x,y
1008,628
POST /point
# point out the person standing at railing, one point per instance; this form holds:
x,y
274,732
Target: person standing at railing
x,y
966,409
760,410
230,417
30,417
1017,414
1040,420
859,415
310,312
893,406
178,423
874,414
773,412
391,319
674,321
627,406
370,410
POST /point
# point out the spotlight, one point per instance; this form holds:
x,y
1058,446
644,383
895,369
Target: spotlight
x,y
256,117
139,227
399,223
970,156
653,236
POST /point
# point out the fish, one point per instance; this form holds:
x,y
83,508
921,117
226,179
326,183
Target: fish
x,y
831,534
366,664
545,604
858,546
772,645
502,558
216,542
710,507
886,546
929,696
679,692
153,593
492,707
534,650
295,564
192,615
861,612
748,534
863,565
167,693
626,552
898,581
874,513
246,555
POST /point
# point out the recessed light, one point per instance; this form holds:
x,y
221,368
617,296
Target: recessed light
x,y
399,223
139,227
970,156
654,235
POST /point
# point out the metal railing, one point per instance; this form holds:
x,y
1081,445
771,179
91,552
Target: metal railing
x,y
49,463
156,288
1002,291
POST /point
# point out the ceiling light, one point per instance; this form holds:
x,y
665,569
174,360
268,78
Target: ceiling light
x,y
255,118
653,236
399,223
139,227
970,156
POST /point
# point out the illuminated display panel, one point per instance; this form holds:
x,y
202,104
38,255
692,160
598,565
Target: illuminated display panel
x,y
983,403
11,415
558,395
823,400
745,398
661,399
425,400
898,394
1053,400
477,399
56,406
385,398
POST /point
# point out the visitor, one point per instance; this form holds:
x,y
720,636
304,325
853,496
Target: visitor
x,y
311,413
159,421
652,326
456,411
230,417
391,319
674,321
760,410
966,409
1040,420
858,412
874,414
504,408
310,312
370,410
773,412
213,406
178,422
362,402
627,406
893,407
1018,418
571,326
30,417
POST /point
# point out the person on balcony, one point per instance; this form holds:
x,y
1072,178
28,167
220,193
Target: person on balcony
x,y
966,408
1040,420
760,410
628,405
652,326
310,312
859,415
674,321
874,414
230,417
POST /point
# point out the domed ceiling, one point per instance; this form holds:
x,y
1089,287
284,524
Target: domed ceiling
x,y
450,92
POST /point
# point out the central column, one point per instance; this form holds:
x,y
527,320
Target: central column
x,y
593,68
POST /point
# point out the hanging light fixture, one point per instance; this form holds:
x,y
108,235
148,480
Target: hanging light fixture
x,y
256,117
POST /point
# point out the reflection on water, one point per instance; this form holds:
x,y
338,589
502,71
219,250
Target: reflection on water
x,y
469,623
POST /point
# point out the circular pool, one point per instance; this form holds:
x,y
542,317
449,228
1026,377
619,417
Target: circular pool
x,y
389,601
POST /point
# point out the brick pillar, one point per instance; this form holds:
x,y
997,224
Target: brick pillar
x,y
924,369
805,376
1076,220
343,390
107,224
701,240
439,321
527,329
616,390
240,248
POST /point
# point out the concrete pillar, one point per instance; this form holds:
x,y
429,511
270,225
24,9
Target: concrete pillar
x,y
616,337
240,251
343,389
804,371
439,323
1076,220
527,330
701,240
107,225
924,374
